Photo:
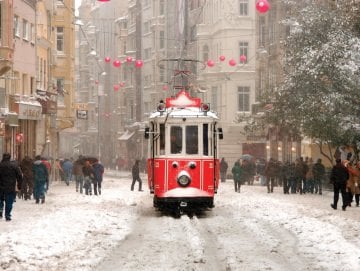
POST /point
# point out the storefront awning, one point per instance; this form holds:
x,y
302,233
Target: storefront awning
x,y
126,136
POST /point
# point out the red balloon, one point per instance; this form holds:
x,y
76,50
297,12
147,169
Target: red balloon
x,y
210,63
138,63
262,6
107,59
222,58
243,58
117,63
116,87
129,59
232,62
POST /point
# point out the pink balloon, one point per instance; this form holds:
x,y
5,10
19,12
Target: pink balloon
x,y
222,58
116,87
243,58
107,59
122,84
117,63
232,62
138,63
165,87
210,63
262,6
129,59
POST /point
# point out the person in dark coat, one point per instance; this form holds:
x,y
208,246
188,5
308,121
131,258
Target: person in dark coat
x,y
237,172
223,169
10,179
135,171
28,178
338,177
78,173
319,173
89,177
41,175
98,177
270,174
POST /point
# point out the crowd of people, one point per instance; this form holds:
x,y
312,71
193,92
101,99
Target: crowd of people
x,y
302,176
29,178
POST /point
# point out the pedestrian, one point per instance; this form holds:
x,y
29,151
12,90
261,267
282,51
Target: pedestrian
x,y
318,173
223,169
28,178
135,171
78,173
89,176
67,166
338,177
98,176
10,180
270,174
310,183
41,175
354,183
237,171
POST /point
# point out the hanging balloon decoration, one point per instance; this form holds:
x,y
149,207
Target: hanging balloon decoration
x,y
107,59
243,58
262,6
165,87
222,58
138,63
210,63
117,63
129,59
116,87
122,84
232,62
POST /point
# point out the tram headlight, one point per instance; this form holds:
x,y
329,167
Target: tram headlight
x,y
183,179
192,165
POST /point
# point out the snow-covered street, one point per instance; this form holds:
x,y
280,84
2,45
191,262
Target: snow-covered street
x,y
120,230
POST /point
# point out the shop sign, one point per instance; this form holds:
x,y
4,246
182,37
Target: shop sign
x,y
82,114
2,127
29,111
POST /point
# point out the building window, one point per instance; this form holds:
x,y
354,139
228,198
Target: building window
x,y
147,53
244,99
16,26
205,53
162,39
244,7
25,27
243,49
161,73
161,7
60,91
60,39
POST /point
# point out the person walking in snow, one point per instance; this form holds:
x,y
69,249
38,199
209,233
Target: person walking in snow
x,y
67,167
223,169
78,173
339,176
89,176
98,177
237,175
41,175
318,173
270,173
27,186
135,171
10,179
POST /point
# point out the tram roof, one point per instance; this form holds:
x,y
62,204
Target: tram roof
x,y
189,112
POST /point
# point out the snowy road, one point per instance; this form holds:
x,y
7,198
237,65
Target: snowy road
x,y
120,230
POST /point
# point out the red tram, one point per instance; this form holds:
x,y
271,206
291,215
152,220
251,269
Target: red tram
x,y
183,163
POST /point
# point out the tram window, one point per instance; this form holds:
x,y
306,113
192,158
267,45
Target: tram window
x,y
206,139
175,139
162,139
192,140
